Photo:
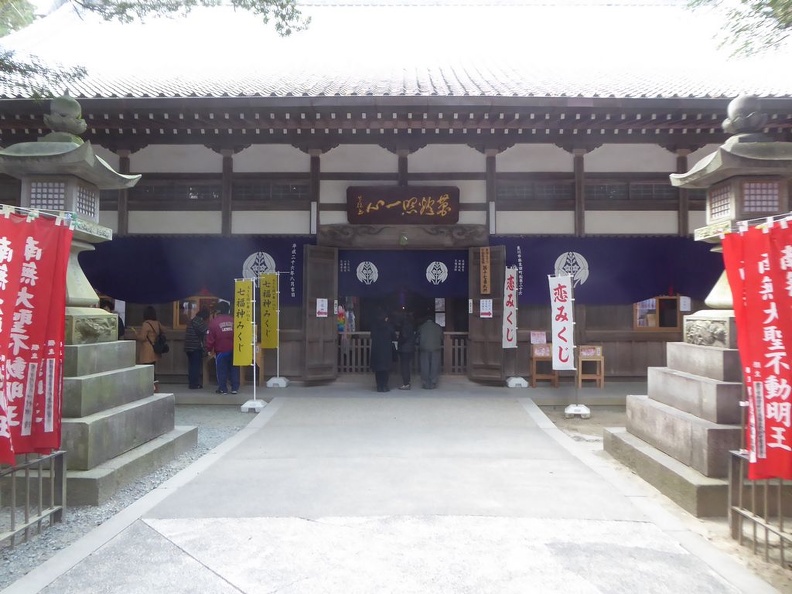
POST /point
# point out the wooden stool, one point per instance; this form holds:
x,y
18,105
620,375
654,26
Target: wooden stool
x,y
591,355
542,353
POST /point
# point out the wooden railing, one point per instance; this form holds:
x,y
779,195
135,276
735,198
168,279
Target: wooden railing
x,y
354,349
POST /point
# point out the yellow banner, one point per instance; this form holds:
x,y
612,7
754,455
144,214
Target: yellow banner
x,y
243,322
269,310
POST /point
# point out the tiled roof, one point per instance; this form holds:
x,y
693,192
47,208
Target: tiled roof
x,y
463,49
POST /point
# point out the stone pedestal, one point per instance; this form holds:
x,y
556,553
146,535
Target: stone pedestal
x,y
678,437
115,429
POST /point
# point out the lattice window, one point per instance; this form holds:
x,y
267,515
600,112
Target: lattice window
x,y
514,192
175,191
607,191
268,190
86,202
554,191
761,197
652,191
720,200
48,195
535,191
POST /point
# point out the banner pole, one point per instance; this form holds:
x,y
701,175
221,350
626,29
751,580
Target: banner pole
x,y
277,381
254,405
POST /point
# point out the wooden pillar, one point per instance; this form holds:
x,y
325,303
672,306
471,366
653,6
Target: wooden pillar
x,y
580,191
403,164
683,211
491,189
227,185
123,194
316,168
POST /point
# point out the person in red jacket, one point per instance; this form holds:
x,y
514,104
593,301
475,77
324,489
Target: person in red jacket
x,y
220,342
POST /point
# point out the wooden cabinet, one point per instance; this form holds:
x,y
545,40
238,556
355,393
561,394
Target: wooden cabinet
x,y
658,313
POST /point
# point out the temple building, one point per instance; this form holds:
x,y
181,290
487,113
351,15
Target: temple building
x,y
399,155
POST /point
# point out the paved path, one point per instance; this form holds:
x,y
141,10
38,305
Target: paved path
x,y
341,489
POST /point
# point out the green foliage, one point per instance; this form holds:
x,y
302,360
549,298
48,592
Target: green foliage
x,y
753,25
15,14
283,13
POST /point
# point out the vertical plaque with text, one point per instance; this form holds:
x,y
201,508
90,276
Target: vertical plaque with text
x,y
486,273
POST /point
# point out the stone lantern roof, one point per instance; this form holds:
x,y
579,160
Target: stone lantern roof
x,y
749,152
63,152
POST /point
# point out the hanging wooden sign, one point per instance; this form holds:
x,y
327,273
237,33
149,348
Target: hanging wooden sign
x,y
399,205
486,272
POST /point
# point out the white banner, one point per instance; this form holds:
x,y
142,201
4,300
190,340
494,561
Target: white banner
x,y
510,308
562,322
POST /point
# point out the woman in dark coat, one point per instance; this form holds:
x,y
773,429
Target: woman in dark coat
x,y
382,337
406,349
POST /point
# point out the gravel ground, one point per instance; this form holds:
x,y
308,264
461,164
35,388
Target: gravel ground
x,y
215,425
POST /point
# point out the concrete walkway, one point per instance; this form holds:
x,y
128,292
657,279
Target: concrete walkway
x,y
340,489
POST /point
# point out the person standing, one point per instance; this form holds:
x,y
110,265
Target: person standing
x,y
430,343
220,341
406,349
107,305
194,338
146,336
381,356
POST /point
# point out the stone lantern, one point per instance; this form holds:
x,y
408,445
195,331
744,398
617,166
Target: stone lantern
x,y
678,436
114,426
746,178
61,174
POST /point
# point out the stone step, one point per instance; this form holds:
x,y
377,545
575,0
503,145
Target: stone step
x,y
705,361
700,444
89,394
92,440
709,399
95,486
689,489
87,359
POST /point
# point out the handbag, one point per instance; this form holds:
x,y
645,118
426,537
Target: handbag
x,y
160,344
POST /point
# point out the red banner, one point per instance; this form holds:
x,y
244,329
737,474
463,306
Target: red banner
x,y
12,236
34,334
756,264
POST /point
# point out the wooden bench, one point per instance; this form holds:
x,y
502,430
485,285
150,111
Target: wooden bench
x,y
541,353
591,356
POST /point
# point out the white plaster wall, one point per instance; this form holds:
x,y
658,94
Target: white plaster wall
x,y
172,158
446,158
107,155
369,158
630,157
534,157
696,219
631,222
270,158
473,217
174,222
532,222
333,217
271,222
109,218
334,192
